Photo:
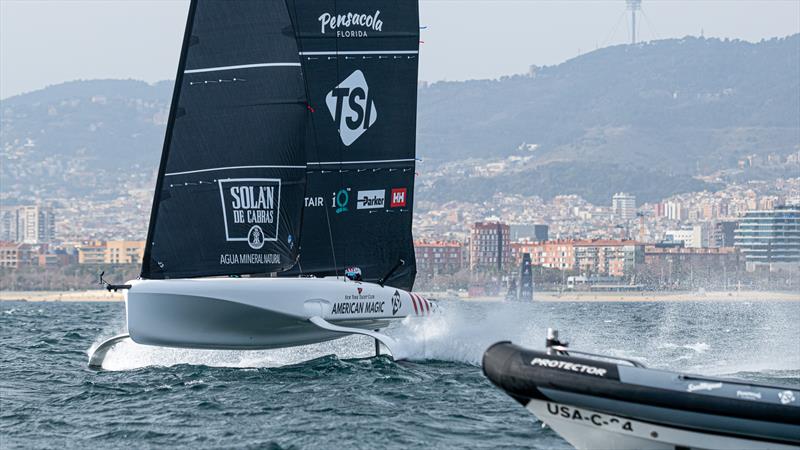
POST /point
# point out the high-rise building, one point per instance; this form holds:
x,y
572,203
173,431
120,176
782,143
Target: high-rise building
x,y
489,246
675,211
8,224
623,205
770,237
724,232
35,225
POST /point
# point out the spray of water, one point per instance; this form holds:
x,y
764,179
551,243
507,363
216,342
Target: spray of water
x,y
460,334
463,331
663,337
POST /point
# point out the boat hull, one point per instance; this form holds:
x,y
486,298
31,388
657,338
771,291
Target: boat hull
x,y
590,429
259,313
595,403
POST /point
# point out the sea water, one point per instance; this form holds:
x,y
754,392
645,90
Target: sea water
x,y
332,395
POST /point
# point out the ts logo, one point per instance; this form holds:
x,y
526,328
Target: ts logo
x,y
351,107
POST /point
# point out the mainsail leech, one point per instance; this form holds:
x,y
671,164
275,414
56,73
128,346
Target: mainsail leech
x,y
362,83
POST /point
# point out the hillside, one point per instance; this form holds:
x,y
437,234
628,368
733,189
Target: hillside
x,y
643,118
82,139
675,103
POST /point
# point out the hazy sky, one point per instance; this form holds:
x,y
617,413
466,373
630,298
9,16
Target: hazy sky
x,y
48,42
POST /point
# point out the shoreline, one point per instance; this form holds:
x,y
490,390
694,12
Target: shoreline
x,y
645,296
101,295
92,295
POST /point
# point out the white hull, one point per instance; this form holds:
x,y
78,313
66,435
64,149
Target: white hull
x,y
588,429
260,313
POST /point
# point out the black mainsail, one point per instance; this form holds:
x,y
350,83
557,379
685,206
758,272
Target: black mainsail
x,y
231,183
360,61
286,110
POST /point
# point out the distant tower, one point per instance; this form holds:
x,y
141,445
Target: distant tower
x,y
633,6
623,206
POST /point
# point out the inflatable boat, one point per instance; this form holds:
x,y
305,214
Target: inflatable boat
x,y
602,402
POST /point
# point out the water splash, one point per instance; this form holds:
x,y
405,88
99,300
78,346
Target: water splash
x,y
660,335
464,331
459,334
129,355
698,347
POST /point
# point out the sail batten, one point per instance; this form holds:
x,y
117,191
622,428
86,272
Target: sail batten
x,y
243,66
214,169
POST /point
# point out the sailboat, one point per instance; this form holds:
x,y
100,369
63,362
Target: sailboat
x,y
283,204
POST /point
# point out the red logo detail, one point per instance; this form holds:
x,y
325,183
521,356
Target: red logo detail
x,y
398,197
359,290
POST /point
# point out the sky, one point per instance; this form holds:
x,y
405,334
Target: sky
x,y
45,42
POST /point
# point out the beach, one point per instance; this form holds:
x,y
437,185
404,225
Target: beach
x,y
93,295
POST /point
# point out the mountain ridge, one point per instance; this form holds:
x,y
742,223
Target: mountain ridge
x,y
646,118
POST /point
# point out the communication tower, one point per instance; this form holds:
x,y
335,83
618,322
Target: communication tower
x,y
633,6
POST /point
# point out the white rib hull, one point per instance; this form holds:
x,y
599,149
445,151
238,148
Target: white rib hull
x,y
588,429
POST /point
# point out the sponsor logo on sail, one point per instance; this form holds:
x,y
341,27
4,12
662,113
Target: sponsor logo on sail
x,y
250,208
351,107
255,237
564,365
371,199
396,302
398,197
249,258
786,397
342,23
313,202
340,200
703,387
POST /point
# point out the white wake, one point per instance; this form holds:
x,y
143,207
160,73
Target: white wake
x,y
464,330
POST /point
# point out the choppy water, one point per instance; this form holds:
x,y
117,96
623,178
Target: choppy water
x,y
307,398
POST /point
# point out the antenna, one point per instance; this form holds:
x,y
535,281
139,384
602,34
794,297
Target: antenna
x,y
633,6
